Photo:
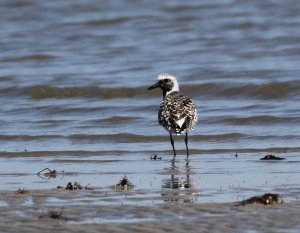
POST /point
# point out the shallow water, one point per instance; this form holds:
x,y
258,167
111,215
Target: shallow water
x,y
74,74
210,178
73,80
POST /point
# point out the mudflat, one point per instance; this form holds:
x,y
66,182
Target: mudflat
x,y
202,194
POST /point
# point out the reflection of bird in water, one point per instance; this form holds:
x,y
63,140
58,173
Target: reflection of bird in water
x,y
179,188
180,183
177,112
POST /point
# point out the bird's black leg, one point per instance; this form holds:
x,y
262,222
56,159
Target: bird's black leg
x,y
186,144
172,142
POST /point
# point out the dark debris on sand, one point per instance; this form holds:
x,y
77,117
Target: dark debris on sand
x,y
124,184
272,157
74,186
155,157
266,199
54,215
47,175
21,191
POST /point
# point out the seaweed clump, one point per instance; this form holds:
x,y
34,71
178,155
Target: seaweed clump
x,y
74,186
124,184
21,191
272,157
266,199
54,215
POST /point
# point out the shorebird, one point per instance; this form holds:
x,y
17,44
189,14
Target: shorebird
x,y
177,113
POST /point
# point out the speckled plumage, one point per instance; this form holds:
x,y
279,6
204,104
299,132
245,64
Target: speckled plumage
x,y
177,113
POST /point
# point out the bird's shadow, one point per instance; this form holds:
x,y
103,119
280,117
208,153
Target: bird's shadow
x,y
179,188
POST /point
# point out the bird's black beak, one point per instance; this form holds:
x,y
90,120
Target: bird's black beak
x,y
154,86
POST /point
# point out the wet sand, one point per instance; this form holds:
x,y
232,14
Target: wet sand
x,y
199,196
26,213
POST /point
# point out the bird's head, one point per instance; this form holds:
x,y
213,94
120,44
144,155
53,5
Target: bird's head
x,y
167,83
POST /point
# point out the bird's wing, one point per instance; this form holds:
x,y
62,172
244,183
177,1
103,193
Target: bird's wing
x,y
177,113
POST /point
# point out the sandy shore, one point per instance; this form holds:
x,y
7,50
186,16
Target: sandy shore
x,y
198,195
30,213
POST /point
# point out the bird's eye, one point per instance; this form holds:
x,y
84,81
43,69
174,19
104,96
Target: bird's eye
x,y
165,80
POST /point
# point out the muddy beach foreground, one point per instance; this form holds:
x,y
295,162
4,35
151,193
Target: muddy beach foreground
x,y
109,192
42,211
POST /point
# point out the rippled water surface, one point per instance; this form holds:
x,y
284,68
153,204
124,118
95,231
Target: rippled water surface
x,y
73,91
74,73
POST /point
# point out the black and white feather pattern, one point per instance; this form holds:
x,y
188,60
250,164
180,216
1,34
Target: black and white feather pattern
x,y
177,113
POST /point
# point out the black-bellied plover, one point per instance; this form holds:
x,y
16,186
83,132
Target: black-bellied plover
x,y
177,113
